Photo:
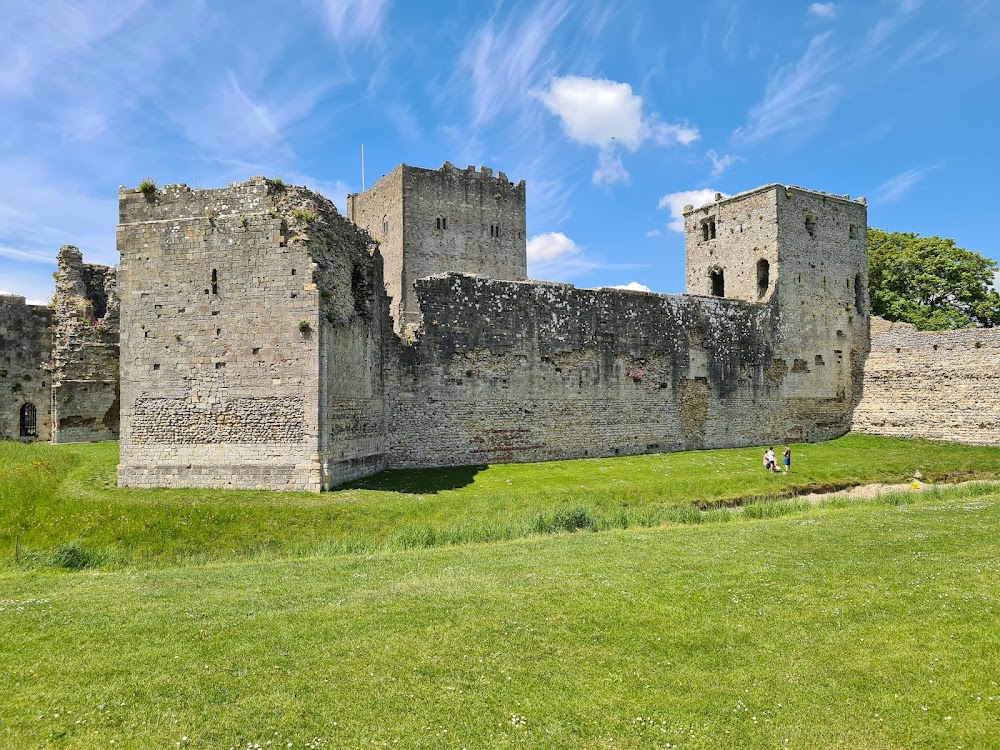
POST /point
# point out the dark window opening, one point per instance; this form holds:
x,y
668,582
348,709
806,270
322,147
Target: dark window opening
x,y
708,229
859,293
763,277
385,225
852,231
718,283
441,223
215,281
29,421
495,231
811,224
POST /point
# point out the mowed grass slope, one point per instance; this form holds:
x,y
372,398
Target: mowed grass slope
x,y
60,503
869,626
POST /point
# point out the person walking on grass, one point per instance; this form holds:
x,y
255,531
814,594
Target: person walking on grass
x,y
770,462
788,458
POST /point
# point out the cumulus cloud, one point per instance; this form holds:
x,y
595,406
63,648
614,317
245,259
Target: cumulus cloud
x,y
545,248
797,96
676,202
634,286
609,116
823,10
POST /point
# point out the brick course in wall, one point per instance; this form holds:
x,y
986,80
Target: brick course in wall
x,y
943,385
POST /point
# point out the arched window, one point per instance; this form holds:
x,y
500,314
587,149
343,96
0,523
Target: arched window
x,y
385,226
441,223
215,281
763,277
708,229
859,293
718,282
495,231
29,421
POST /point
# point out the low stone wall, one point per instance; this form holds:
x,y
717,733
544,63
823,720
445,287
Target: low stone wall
x,y
943,385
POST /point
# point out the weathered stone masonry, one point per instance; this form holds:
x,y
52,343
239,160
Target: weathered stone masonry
x,y
259,348
247,319
25,363
935,384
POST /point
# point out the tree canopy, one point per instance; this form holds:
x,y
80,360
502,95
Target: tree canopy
x,y
930,282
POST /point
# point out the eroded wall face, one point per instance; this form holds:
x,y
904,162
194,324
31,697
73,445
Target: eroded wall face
x,y
943,385
533,372
85,394
219,346
379,211
25,367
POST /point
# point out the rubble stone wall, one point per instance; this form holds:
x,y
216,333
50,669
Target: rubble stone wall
x,y
85,398
527,371
943,385
25,368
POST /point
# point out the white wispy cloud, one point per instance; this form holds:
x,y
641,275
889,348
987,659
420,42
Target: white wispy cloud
x,y
675,202
896,187
798,95
823,10
887,25
721,163
353,21
608,115
504,60
654,233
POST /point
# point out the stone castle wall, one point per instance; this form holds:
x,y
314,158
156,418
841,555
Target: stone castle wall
x,y
508,371
85,403
25,367
943,385
220,346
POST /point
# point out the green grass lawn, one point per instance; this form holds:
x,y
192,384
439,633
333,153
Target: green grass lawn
x,y
866,625
59,503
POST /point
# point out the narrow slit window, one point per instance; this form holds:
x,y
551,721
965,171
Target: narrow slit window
x,y
385,226
441,223
859,293
29,421
215,281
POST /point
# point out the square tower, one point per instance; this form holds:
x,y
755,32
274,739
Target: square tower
x,y
430,221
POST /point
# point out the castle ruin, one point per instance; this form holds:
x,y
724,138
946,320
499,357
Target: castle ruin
x,y
269,342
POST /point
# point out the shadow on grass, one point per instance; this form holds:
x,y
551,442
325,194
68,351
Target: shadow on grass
x,y
417,481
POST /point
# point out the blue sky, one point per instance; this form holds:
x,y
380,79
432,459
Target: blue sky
x,y
616,114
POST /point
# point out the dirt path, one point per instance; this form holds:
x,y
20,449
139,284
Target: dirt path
x,y
874,490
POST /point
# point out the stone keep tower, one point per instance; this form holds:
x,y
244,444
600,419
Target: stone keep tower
x,y
804,254
430,221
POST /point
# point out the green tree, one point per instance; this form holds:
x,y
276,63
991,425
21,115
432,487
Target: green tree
x,y
930,282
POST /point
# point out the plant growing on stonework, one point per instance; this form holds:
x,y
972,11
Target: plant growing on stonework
x,y
211,215
147,187
275,184
304,325
306,214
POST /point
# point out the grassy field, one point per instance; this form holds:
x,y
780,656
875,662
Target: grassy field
x,y
864,625
59,504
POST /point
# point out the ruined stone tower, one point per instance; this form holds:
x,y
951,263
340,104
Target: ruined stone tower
x,y
430,221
